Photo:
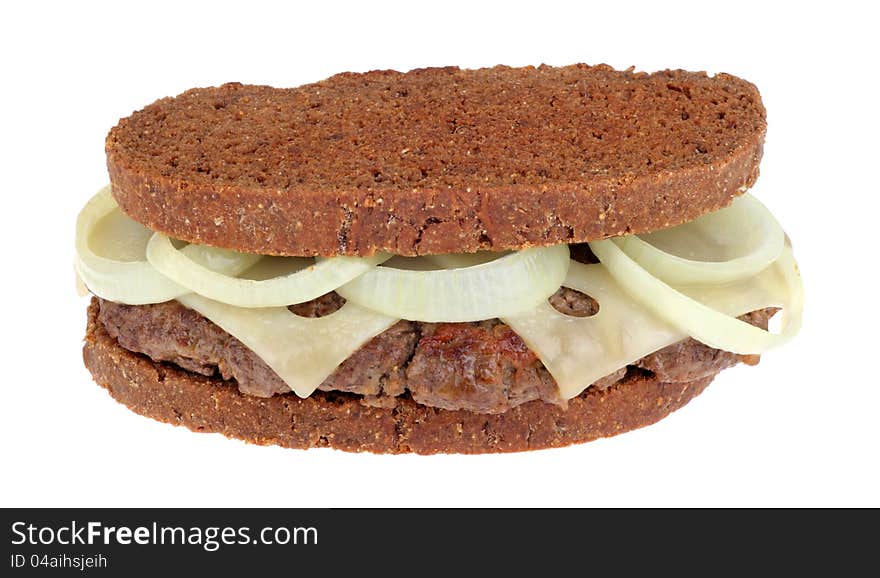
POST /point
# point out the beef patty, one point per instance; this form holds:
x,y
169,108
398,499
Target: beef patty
x,y
482,367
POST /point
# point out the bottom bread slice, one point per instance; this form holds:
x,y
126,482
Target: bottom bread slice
x,y
338,420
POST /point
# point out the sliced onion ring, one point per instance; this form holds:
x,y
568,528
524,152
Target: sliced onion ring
x,y
119,270
739,241
504,286
459,260
703,323
296,287
115,273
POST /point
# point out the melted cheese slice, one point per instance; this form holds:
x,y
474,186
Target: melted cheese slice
x,y
577,351
302,351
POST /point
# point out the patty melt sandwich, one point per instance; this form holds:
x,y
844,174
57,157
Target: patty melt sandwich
x,y
441,260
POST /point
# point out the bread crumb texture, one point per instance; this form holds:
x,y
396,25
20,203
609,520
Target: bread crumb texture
x,y
438,160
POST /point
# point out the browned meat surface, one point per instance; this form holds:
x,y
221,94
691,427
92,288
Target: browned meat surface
x,y
482,367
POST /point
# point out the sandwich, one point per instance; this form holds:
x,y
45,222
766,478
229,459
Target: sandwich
x,y
434,261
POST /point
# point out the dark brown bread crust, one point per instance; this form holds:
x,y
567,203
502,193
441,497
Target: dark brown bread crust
x,y
208,404
438,160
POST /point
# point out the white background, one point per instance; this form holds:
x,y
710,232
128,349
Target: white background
x,y
801,429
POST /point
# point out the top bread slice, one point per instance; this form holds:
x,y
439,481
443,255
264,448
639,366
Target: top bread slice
x,y
438,160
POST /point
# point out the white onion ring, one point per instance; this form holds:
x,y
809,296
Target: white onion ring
x,y
459,260
122,277
121,273
744,238
504,286
703,323
295,287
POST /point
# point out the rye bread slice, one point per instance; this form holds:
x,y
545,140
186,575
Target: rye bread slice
x,y
438,160
208,404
